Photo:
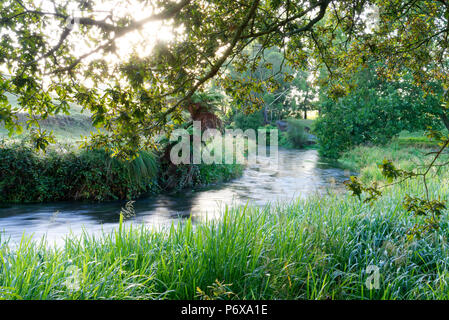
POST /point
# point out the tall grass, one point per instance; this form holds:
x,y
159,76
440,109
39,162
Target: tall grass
x,y
407,156
314,249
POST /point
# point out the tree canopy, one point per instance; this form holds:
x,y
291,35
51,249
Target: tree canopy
x,y
56,52
375,112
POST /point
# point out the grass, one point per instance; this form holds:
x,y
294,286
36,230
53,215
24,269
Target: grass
x,y
408,152
319,248
415,139
314,249
66,128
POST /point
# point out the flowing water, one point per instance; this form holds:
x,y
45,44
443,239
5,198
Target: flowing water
x,y
300,173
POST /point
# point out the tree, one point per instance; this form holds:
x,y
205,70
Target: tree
x,y
374,112
268,80
304,93
44,64
407,37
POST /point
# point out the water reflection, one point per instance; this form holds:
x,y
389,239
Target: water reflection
x,y
298,174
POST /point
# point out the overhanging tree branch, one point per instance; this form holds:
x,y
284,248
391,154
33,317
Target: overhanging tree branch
x,y
216,66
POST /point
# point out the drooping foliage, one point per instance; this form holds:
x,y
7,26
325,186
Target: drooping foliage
x,y
58,52
374,112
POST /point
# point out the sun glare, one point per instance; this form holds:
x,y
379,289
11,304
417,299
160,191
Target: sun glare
x,y
139,42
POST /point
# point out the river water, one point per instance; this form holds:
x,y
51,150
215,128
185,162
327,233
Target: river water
x,y
299,173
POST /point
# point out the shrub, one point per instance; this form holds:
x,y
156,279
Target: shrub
x,y
26,176
248,121
296,133
373,113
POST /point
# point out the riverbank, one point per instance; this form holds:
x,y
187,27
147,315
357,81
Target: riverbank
x,y
300,173
409,151
327,247
314,249
66,174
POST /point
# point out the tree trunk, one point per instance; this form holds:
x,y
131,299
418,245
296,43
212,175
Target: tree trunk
x,y
305,114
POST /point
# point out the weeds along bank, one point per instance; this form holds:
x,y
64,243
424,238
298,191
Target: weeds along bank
x,y
28,176
69,174
320,248
331,247
410,153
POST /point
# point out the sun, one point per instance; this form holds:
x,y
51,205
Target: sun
x,y
139,42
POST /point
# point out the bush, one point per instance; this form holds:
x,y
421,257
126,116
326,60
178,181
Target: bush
x,y
248,121
177,177
295,136
372,114
296,133
26,176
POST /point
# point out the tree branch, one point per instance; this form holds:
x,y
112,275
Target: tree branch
x,y
216,67
308,27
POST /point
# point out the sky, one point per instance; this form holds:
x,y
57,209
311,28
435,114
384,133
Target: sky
x,y
141,42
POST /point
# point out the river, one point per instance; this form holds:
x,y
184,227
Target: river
x,y
300,173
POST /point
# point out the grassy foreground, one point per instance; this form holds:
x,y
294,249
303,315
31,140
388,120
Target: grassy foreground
x,y
314,249
320,248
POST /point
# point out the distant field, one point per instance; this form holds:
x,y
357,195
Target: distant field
x,y
417,138
66,128
312,115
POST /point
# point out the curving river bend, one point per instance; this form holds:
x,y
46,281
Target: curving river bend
x,y
299,173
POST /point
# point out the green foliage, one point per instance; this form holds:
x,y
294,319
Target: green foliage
x,y
374,112
420,207
430,209
26,176
216,173
281,90
296,137
248,121
296,133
